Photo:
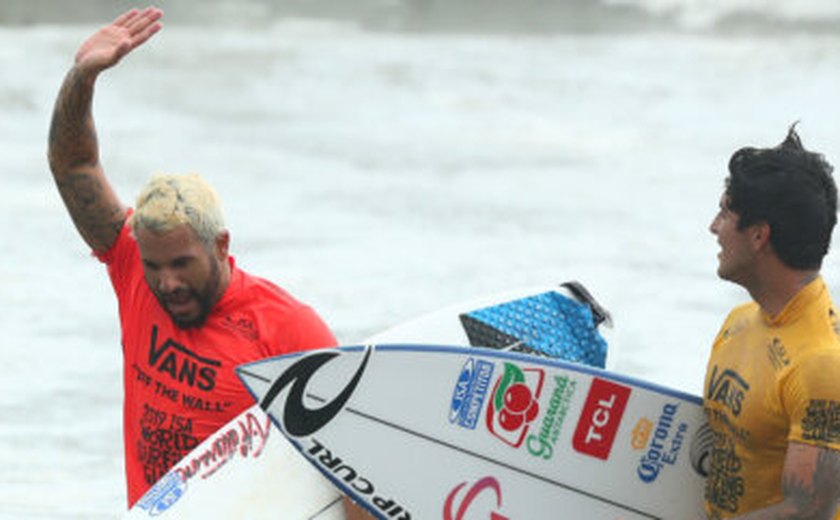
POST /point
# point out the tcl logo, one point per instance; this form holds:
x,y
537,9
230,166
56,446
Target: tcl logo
x,y
600,418
489,484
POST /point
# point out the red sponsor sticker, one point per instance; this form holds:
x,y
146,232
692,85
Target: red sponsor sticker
x,y
487,483
600,418
514,403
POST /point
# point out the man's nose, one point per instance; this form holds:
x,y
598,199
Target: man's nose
x,y
167,281
713,226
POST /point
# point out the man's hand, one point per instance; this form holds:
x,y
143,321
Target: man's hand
x,y
108,45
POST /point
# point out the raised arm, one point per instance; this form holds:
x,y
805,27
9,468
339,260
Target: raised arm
x,y
73,150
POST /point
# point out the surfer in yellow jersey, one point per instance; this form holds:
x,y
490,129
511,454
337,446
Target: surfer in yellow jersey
x,y
772,388
188,314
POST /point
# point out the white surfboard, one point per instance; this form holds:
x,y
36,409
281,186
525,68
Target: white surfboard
x,y
220,480
246,468
425,431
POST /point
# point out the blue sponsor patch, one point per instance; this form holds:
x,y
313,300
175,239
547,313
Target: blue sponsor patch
x,y
470,391
163,495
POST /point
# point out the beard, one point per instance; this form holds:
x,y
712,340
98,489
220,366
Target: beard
x,y
206,296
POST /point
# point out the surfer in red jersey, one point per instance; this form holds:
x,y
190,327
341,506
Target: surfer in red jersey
x,y
188,314
772,390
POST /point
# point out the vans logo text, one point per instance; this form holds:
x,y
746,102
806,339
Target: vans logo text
x,y
182,364
728,389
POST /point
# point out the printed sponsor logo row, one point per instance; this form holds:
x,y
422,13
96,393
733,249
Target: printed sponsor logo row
x,y
526,408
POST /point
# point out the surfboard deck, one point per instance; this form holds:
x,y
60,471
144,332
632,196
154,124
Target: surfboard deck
x,y
245,470
245,481
429,431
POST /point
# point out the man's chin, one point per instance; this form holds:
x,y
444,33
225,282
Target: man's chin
x,y
188,321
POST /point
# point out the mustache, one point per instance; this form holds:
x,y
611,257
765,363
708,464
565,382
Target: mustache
x,y
177,293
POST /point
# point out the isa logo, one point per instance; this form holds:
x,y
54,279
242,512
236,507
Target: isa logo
x,y
470,392
163,495
600,418
514,403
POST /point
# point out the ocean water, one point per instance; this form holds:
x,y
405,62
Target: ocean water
x,y
379,175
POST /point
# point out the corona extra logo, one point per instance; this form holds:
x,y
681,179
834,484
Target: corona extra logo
x,y
641,434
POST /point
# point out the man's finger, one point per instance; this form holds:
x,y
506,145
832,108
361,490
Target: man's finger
x,y
124,18
146,18
145,35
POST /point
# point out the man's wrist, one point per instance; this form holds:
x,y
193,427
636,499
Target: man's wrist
x,y
83,75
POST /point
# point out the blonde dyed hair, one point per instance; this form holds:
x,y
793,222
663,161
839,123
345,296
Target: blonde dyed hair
x,y
169,201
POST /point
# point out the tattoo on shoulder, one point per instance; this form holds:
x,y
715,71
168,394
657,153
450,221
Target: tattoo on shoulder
x,y
816,495
798,490
827,473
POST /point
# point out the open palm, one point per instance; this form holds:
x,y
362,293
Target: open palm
x,y
108,45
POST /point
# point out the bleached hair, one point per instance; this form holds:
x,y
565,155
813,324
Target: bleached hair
x,y
170,200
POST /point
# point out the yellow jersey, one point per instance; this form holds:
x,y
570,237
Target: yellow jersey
x,y
770,381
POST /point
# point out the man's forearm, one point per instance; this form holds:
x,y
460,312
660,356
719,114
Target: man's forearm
x,y
810,484
72,138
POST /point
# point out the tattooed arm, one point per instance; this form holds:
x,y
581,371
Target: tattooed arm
x,y
810,484
73,150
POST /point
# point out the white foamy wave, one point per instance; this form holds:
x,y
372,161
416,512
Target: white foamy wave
x,y
524,16
768,14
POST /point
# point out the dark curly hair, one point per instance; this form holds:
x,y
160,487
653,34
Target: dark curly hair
x,y
793,191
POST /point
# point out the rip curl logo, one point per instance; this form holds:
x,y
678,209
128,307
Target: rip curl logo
x,y
298,420
328,462
486,484
514,403
701,449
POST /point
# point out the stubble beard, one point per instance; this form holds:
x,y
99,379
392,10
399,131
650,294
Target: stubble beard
x,y
206,297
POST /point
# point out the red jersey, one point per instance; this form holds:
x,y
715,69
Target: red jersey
x,y
180,384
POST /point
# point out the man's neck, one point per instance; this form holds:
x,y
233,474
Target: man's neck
x,y
226,268
773,292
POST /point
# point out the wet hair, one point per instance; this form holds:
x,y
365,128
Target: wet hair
x,y
792,190
169,201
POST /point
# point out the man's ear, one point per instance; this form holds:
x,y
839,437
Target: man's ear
x,y
759,235
223,244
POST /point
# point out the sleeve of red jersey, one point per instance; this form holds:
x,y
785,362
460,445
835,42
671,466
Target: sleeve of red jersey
x,y
121,258
307,331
